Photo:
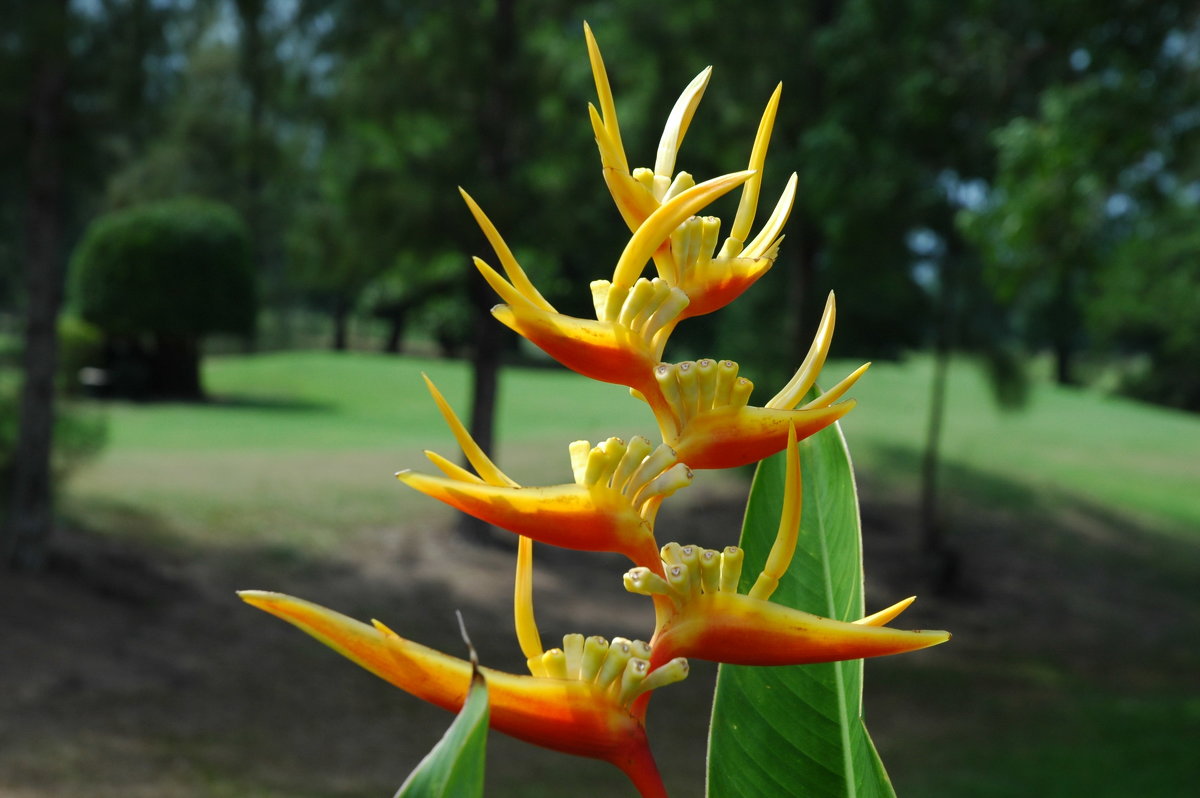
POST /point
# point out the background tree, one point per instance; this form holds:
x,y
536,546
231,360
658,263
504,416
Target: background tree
x,y
1148,306
73,121
31,506
1046,229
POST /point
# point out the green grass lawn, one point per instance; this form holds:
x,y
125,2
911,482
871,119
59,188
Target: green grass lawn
x,y
301,446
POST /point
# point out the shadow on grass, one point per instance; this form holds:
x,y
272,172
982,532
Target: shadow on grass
x,y
1043,517
1069,670
152,677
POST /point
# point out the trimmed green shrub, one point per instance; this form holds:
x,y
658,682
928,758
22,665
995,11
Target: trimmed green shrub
x,y
157,278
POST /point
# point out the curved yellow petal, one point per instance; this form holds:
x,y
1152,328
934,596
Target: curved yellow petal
x,y
483,464
886,615
678,122
516,274
633,200
744,217
838,391
788,533
604,92
659,225
528,636
791,393
769,237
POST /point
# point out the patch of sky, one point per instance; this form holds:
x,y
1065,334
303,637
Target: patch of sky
x,y
969,193
925,243
1118,205
1182,45
926,274
929,247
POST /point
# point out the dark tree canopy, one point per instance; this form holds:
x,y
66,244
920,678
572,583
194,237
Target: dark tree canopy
x,y
179,267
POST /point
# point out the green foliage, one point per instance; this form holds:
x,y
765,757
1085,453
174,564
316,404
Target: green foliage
x,y
799,729
1149,305
454,768
80,345
80,435
179,267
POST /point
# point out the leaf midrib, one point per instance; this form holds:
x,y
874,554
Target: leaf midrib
x,y
839,676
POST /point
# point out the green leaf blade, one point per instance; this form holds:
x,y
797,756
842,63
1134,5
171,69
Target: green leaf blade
x,y
798,730
454,768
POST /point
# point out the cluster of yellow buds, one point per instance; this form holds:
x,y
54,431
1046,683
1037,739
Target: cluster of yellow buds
x,y
590,697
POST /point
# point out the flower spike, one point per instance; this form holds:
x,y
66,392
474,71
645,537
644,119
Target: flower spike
x,y
586,712
610,507
709,619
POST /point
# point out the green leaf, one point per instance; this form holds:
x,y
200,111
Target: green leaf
x,y
454,768
798,730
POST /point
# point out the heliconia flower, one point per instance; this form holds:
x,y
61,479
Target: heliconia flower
x,y
710,278
634,316
711,620
610,507
578,702
710,423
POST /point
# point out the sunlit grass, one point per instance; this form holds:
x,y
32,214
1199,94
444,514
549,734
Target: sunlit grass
x,y
1127,457
300,447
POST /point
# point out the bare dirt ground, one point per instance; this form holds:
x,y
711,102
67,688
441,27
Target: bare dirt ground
x,y
132,670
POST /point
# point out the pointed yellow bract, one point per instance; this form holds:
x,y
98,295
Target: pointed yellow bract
x,y
709,619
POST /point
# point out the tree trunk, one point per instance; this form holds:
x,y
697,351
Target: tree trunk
x,y
1064,326
941,561
341,325
801,300
394,344
254,73
497,164
31,502
932,539
1064,359
175,368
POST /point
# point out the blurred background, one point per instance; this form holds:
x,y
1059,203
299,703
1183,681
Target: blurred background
x,y
230,242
